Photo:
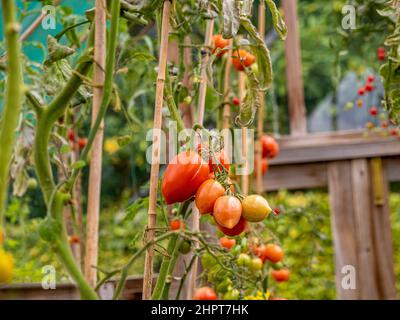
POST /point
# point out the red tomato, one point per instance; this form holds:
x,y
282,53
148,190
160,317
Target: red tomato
x,y
176,225
236,230
71,135
219,43
272,252
183,176
242,58
227,243
209,191
74,239
281,275
205,293
82,142
227,211
270,147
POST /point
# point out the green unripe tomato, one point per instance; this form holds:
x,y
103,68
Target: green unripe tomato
x,y
243,260
244,245
224,285
208,261
232,295
256,264
235,250
185,246
32,183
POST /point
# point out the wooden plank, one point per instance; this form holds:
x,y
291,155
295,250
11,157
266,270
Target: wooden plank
x,y
392,168
361,188
294,78
292,177
343,224
333,148
383,243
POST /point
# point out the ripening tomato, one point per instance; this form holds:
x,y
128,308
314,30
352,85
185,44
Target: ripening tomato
x,y
176,224
208,261
270,147
227,211
183,176
73,239
243,260
272,252
236,230
256,264
281,275
6,266
205,293
242,58
82,142
209,191
227,243
219,43
71,135
255,208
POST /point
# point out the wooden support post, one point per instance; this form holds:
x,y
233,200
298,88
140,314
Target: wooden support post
x,y
361,229
260,115
93,210
155,157
297,110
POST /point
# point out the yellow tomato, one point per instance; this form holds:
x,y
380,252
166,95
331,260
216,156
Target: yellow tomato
x,y
6,266
255,208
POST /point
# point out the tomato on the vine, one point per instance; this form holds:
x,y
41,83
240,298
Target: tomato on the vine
x,y
221,162
281,275
209,191
185,246
208,261
71,135
224,285
264,165
205,293
232,294
271,252
219,43
256,264
242,58
176,224
183,176
270,148
227,211
255,208
74,239
236,230
227,243
243,260
82,142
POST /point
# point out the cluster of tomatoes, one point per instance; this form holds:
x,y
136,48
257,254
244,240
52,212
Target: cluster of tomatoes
x,y
240,58
75,142
270,149
6,263
251,260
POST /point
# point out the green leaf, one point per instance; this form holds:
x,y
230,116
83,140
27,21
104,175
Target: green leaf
x,y
142,56
231,23
277,19
135,207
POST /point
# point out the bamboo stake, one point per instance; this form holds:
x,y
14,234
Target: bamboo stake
x,y
261,97
155,164
93,210
227,77
13,99
245,176
200,118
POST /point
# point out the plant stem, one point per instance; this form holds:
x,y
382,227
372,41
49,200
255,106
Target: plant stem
x,y
13,99
107,89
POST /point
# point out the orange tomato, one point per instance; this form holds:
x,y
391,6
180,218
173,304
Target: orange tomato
x,y
219,43
227,243
176,224
227,211
281,275
205,293
272,252
270,147
209,191
242,58
236,230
